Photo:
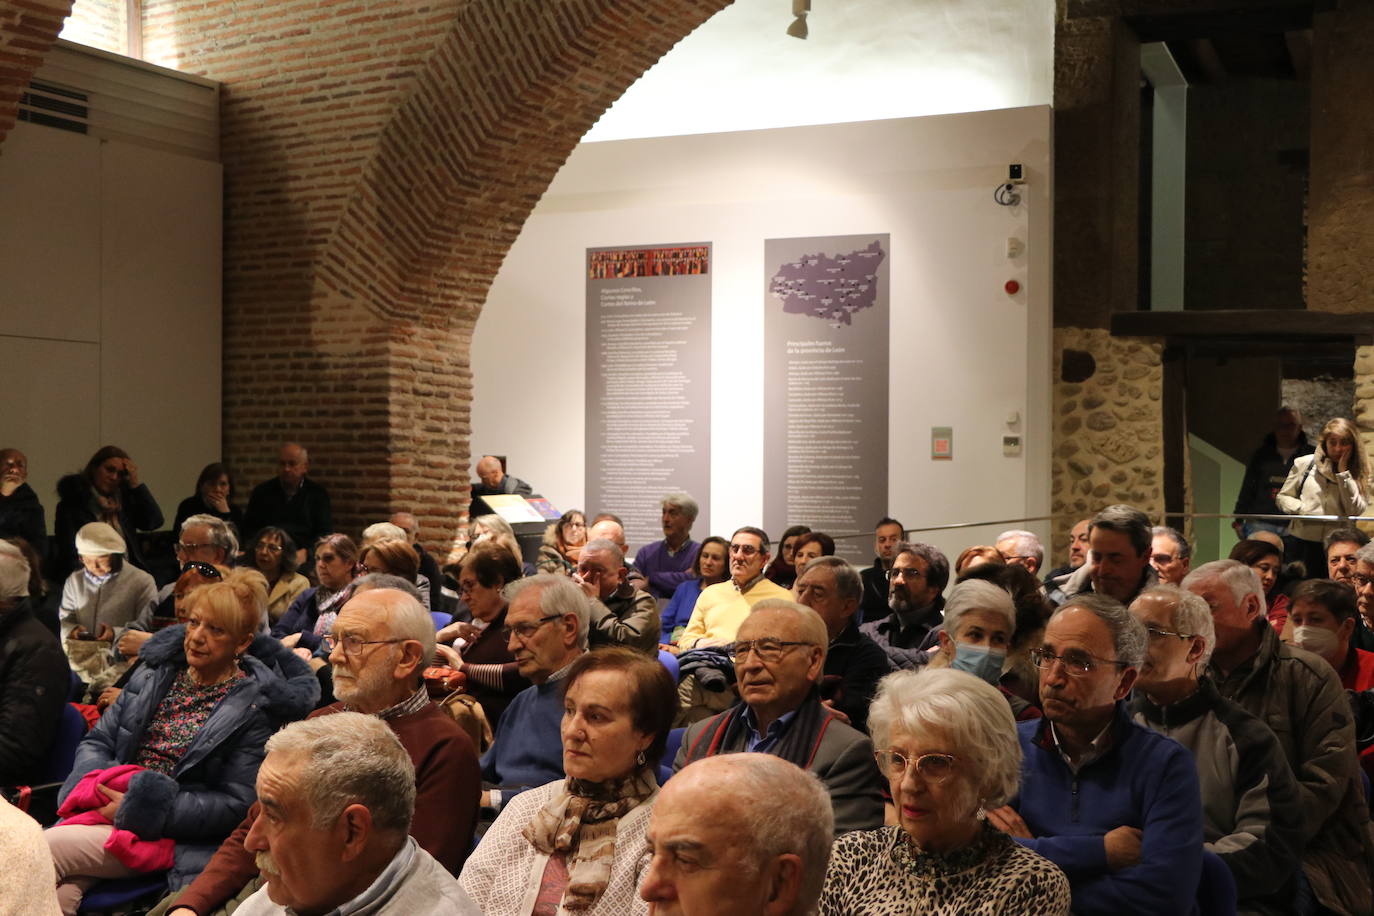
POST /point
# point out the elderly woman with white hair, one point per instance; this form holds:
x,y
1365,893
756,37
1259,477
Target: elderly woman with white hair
x,y
1252,813
980,624
948,745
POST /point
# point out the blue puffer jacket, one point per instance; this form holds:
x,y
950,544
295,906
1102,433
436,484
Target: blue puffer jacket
x,y
213,784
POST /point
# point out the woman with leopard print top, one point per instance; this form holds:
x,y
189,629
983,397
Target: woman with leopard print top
x,y
949,749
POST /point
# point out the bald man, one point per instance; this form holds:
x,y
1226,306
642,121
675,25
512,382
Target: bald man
x,y
492,480
291,501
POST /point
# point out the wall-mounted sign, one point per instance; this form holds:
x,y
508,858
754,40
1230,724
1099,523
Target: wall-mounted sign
x,y
942,443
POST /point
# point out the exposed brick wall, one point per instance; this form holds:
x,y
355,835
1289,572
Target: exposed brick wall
x,y
28,29
380,158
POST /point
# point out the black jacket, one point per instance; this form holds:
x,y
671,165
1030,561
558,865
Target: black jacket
x,y
34,683
874,606
306,515
1265,474
21,515
77,506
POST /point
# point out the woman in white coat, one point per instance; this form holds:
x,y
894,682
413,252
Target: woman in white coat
x,y
1332,481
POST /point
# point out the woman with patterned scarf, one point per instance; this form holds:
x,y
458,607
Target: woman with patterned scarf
x,y
577,845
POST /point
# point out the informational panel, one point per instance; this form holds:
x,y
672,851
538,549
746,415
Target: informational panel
x,y
825,383
648,383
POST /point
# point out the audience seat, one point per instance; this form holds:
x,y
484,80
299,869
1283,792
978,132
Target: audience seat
x,y
119,895
665,766
40,801
441,619
669,661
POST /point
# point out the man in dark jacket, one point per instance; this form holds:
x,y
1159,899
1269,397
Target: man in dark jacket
x,y
917,580
854,663
887,534
21,514
291,501
1267,470
34,677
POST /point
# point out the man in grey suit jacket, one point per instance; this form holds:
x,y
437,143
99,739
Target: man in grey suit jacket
x,y
779,654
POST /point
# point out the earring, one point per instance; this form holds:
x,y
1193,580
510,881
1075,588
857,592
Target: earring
x,y
639,759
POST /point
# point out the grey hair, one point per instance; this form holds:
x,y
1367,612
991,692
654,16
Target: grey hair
x,y
1185,550
971,713
406,617
1239,578
557,595
14,572
977,595
789,813
608,546
1191,616
812,624
1366,554
221,535
1128,633
494,524
1027,544
848,583
386,580
351,758
683,502
1127,520
382,531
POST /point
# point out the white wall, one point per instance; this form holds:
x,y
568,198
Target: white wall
x,y
964,353
864,60
110,308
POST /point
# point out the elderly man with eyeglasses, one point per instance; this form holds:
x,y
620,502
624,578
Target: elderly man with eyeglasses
x,y
546,630
1112,803
779,655
1252,817
379,647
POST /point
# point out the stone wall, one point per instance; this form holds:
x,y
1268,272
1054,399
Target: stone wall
x,y
1108,426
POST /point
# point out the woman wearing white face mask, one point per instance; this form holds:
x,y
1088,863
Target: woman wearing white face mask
x,y
980,621
1323,621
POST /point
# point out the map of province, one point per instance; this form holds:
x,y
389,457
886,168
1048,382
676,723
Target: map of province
x,y
829,288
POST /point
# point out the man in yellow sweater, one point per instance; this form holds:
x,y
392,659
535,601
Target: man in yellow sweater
x,y
721,608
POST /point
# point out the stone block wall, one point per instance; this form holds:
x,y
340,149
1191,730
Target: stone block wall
x,y
1108,425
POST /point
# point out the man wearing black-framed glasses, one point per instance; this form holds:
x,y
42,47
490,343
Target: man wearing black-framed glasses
x,y
1112,803
779,655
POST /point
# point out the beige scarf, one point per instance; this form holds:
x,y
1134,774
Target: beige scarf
x,y
579,823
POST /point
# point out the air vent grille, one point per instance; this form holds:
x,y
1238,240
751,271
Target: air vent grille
x,y
55,106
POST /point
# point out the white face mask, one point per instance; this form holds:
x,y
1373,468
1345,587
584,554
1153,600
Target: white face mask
x,y
1319,640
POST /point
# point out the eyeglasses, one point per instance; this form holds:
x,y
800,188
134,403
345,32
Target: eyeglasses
x,y
270,548
767,649
1076,662
523,631
1158,633
904,572
747,550
932,767
204,569
1361,581
327,557
352,645
183,547
465,587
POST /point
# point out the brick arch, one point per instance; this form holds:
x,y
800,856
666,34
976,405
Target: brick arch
x,y
28,30
379,163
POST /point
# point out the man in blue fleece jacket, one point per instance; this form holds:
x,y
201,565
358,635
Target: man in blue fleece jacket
x,y
1113,804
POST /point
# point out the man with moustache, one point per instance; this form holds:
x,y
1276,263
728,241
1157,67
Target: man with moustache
x,y
1112,803
337,799
381,642
916,585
